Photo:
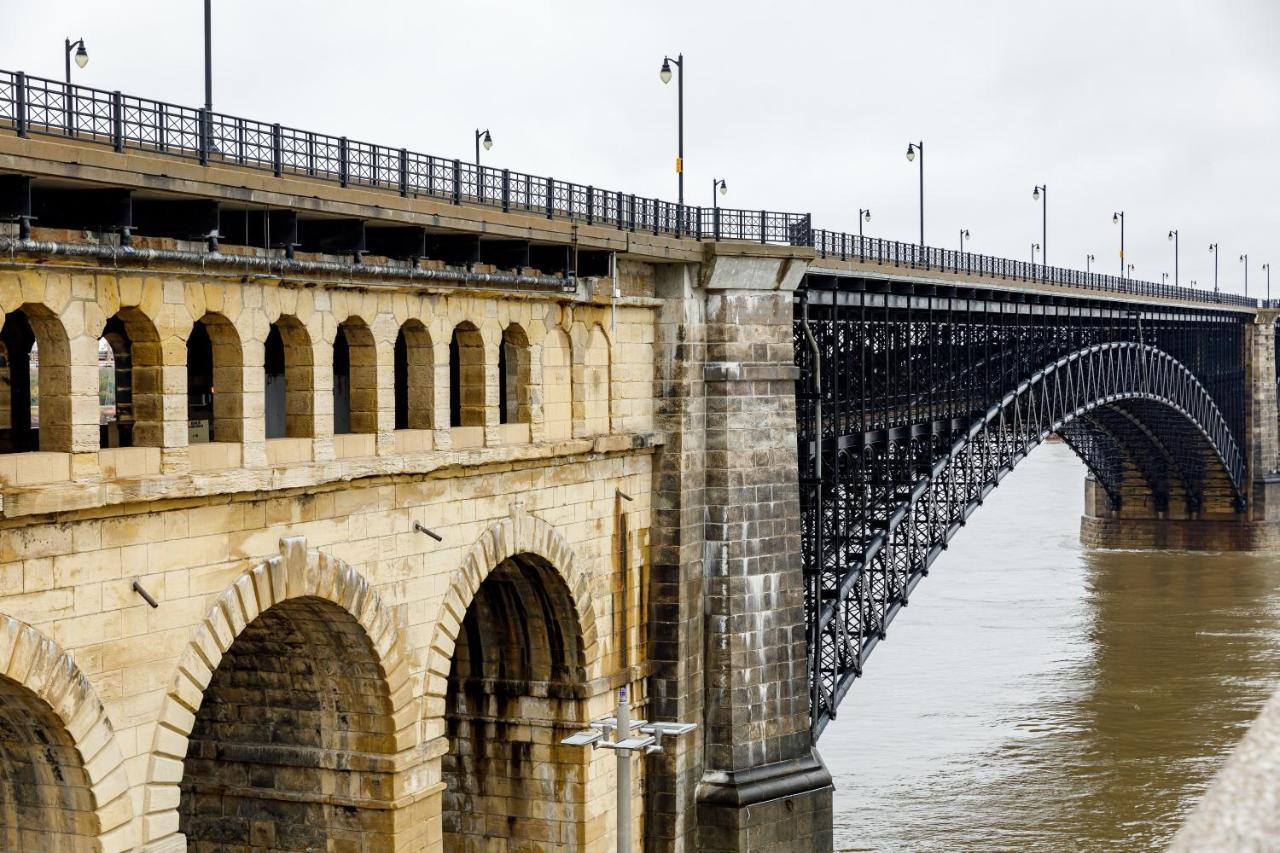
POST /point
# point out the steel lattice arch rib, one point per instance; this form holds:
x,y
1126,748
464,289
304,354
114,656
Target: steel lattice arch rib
x,y
927,402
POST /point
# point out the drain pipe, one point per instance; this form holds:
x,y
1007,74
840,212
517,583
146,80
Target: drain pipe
x,y
271,266
817,476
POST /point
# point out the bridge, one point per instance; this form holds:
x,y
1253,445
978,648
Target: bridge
x,y
339,482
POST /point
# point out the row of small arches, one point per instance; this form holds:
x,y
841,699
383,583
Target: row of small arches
x,y
37,375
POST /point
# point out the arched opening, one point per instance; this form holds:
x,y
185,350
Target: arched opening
x,y
292,743
37,382
514,377
355,379
414,377
466,377
557,385
214,382
595,382
287,364
46,799
516,687
130,383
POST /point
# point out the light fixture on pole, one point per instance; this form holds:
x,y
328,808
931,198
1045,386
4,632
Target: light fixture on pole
x,y
482,138
1035,247
1044,220
1118,218
1129,271
1267,268
718,188
912,148
665,76
629,736
863,216
1244,259
1164,279
1088,263
964,235
1173,235
1213,247
81,55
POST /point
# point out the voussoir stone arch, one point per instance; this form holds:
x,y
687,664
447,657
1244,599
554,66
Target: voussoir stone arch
x,y
296,572
521,533
34,662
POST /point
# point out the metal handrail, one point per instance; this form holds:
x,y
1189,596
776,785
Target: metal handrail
x,y
35,105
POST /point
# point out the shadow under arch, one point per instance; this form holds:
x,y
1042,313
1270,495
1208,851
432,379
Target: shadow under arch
x,y
307,629
850,611
62,778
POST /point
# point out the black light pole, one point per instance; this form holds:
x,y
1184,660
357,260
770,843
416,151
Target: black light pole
x,y
964,235
1173,235
1267,268
1088,263
1164,279
718,188
1213,247
665,76
1035,247
82,56
1119,217
1044,221
1244,259
482,138
208,76
863,216
1130,271
911,155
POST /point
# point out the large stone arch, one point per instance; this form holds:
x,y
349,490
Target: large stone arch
x,y
295,573
39,677
521,533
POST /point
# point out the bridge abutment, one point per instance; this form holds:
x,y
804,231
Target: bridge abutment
x,y
728,599
1215,525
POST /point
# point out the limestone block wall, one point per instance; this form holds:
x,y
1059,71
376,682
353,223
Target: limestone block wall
x,y
313,540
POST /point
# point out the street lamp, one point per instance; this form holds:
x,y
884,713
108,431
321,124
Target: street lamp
x,y
1267,268
1213,247
1044,221
863,216
1173,235
1130,271
81,55
1164,279
1035,247
718,188
483,138
912,148
1119,218
1244,259
665,76
964,235
1088,263
208,77
624,743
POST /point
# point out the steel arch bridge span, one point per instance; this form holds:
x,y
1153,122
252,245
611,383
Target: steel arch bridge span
x,y
1131,411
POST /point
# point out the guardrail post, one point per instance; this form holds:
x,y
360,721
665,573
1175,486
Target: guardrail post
x,y
762,227
20,103
551,197
342,161
206,142
591,204
506,190
404,172
117,120
457,181
277,152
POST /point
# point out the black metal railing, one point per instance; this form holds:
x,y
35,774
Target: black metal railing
x,y
833,244
35,105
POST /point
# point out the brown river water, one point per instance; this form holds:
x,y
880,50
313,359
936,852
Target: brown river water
x,y
1038,696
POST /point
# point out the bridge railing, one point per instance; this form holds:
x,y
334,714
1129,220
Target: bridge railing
x,y
854,247
35,105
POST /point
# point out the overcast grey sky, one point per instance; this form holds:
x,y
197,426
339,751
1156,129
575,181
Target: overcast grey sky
x,y
1167,109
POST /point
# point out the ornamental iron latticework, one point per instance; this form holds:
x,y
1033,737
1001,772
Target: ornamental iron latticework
x,y
930,396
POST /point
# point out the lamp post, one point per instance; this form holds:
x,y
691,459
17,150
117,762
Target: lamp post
x,y
1173,235
82,56
482,138
718,188
1044,220
964,235
863,216
208,77
1129,272
1244,259
1267,268
1164,279
1088,263
665,76
1035,247
1213,247
1119,218
912,148
624,744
